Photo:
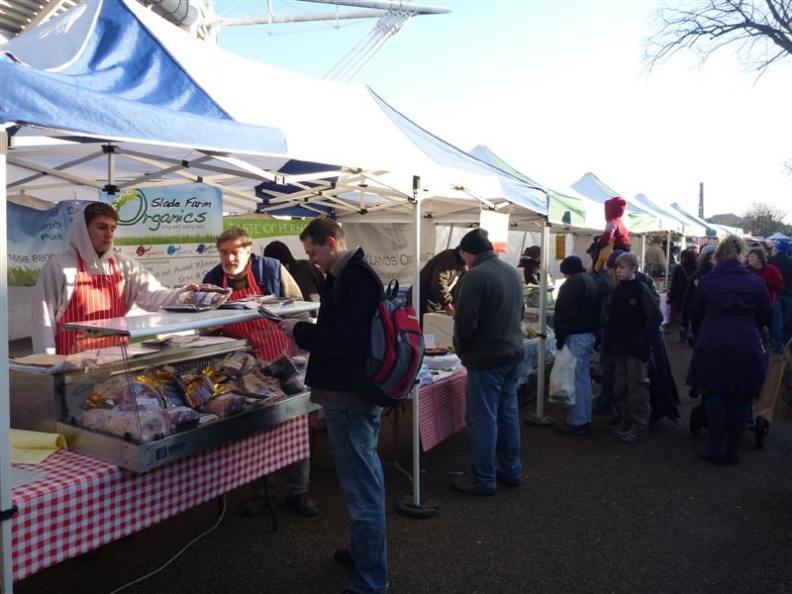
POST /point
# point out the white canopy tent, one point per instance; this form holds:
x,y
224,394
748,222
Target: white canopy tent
x,y
378,148
87,128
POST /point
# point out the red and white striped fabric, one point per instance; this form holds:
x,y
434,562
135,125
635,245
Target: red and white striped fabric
x,y
442,409
95,297
83,503
264,336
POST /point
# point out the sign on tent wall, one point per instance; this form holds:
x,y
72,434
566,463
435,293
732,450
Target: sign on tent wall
x,y
389,247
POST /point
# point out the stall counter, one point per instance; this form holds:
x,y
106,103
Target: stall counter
x,y
83,503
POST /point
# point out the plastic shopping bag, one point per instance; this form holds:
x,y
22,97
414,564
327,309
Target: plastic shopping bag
x,y
562,377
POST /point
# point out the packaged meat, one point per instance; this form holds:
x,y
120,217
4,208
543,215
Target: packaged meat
x,y
237,364
179,417
201,389
96,419
121,390
140,426
225,405
292,386
212,297
282,368
255,383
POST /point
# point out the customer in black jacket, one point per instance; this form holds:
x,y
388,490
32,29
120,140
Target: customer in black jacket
x,y
338,343
577,318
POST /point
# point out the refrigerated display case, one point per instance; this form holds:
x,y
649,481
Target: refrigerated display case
x,y
56,402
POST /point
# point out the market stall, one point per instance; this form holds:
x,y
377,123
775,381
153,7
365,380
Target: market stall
x,y
388,162
79,503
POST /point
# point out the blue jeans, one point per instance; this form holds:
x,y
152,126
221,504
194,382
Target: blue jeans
x,y
581,345
353,439
782,320
493,423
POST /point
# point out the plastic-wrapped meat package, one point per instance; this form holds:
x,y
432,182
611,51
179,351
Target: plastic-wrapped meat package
x,y
121,390
237,364
225,405
125,424
208,297
180,416
199,391
292,386
96,419
256,383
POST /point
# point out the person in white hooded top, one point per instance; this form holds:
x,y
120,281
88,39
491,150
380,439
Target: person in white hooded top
x,y
91,282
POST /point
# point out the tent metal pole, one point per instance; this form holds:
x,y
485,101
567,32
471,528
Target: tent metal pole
x,y
416,287
539,419
411,506
540,374
667,281
6,510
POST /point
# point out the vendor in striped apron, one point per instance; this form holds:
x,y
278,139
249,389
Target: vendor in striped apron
x,y
248,274
90,281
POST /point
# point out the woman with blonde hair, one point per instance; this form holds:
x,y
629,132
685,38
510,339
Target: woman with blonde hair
x,y
728,365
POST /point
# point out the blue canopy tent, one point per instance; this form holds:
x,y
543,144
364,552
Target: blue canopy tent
x,y
57,133
387,166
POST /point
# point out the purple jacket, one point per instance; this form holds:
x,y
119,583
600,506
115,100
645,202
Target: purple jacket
x,y
728,309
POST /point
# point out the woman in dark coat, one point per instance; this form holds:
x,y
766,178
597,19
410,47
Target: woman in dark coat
x,y
704,267
679,283
728,363
308,277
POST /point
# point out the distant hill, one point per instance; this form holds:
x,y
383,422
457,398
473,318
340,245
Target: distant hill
x,y
729,219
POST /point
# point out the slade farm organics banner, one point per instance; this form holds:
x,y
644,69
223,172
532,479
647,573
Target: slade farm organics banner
x,y
170,230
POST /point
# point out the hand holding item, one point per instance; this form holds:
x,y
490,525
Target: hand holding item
x,y
449,310
288,326
206,287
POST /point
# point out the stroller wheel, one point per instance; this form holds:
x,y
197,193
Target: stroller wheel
x,y
697,419
762,428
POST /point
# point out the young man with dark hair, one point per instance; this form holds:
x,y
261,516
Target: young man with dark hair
x,y
338,343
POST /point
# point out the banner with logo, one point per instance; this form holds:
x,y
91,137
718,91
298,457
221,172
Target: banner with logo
x,y
389,247
170,230
189,213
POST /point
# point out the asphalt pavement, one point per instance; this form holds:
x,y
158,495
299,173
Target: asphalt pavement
x,y
593,515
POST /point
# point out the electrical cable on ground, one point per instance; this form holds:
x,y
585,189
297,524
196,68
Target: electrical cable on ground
x,y
172,559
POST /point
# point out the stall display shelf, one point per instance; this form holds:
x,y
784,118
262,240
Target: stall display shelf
x,y
54,402
169,322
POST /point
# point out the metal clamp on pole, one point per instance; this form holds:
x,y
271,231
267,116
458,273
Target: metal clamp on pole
x,y
7,514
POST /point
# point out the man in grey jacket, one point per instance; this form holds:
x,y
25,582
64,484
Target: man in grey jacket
x,y
488,340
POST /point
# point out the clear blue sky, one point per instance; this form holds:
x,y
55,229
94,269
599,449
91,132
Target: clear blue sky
x,y
558,88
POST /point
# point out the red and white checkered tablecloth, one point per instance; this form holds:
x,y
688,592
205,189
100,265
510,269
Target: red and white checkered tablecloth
x,y
441,406
84,503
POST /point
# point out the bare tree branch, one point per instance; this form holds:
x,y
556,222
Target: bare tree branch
x,y
763,219
760,31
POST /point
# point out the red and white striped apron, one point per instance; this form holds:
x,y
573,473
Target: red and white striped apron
x,y
265,337
95,297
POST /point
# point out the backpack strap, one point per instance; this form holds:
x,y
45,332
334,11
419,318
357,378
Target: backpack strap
x,y
372,275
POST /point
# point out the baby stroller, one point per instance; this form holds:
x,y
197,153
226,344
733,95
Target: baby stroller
x,y
778,381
